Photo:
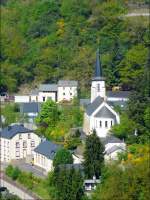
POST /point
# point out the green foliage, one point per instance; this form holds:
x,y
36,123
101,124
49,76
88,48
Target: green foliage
x,y
130,181
43,41
9,170
63,156
11,113
67,184
93,155
54,121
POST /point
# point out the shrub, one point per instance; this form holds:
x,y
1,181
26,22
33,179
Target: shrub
x,y
9,170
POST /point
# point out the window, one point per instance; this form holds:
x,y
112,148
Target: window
x,y
17,145
111,122
32,143
24,144
64,93
17,153
37,98
20,136
106,124
70,94
43,98
100,123
98,87
29,98
29,136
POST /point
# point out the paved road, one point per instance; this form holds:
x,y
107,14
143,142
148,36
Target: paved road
x,y
15,190
137,14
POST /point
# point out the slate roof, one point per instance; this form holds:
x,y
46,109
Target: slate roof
x,y
94,105
69,83
119,94
76,166
104,112
32,107
84,102
48,87
47,148
34,92
111,139
13,130
113,149
98,68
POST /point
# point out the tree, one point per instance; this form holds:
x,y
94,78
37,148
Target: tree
x,y
48,117
67,184
63,156
93,155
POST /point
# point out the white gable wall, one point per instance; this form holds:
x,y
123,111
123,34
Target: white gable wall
x,y
43,162
46,95
66,93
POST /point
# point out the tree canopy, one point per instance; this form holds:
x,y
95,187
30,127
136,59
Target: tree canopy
x,y
43,41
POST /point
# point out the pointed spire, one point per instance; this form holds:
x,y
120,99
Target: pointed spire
x,y
98,68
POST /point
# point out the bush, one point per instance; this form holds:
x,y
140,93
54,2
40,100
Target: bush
x,y
16,173
9,170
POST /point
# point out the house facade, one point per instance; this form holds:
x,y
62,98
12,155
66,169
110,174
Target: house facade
x,y
17,142
65,90
44,154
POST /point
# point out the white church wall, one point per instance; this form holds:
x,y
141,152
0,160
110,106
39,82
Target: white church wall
x,y
98,89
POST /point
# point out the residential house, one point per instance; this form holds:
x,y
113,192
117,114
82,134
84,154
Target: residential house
x,y
17,142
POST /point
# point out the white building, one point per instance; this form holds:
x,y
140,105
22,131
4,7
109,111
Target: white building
x,y
65,90
44,154
99,115
113,146
17,142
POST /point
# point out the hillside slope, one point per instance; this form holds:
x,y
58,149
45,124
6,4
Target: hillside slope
x,y
45,40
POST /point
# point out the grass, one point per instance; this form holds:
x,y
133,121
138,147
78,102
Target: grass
x,y
41,189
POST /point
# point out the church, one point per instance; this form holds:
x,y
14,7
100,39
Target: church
x,y
99,115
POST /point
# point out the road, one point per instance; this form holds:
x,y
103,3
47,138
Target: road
x,y
16,189
137,14
22,165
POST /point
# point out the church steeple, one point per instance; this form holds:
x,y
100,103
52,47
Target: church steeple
x,y
98,81
98,68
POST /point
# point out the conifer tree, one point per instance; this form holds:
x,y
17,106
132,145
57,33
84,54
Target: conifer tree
x,y
93,156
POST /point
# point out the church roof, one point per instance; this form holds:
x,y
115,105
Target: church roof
x,y
98,68
104,112
94,105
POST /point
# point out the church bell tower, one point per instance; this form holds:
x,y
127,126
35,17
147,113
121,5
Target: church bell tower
x,y
98,81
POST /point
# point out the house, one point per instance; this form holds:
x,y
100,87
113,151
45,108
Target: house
x,y
44,154
99,114
113,146
90,184
65,90
30,110
17,142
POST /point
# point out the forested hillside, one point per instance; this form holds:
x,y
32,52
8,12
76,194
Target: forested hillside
x,y
45,40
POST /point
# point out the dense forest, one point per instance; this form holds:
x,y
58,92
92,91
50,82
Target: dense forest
x,y
47,40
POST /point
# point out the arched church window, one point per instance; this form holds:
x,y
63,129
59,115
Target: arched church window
x,y
106,124
111,122
100,123
98,87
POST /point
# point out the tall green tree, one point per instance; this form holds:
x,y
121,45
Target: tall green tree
x,y
93,156
63,156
